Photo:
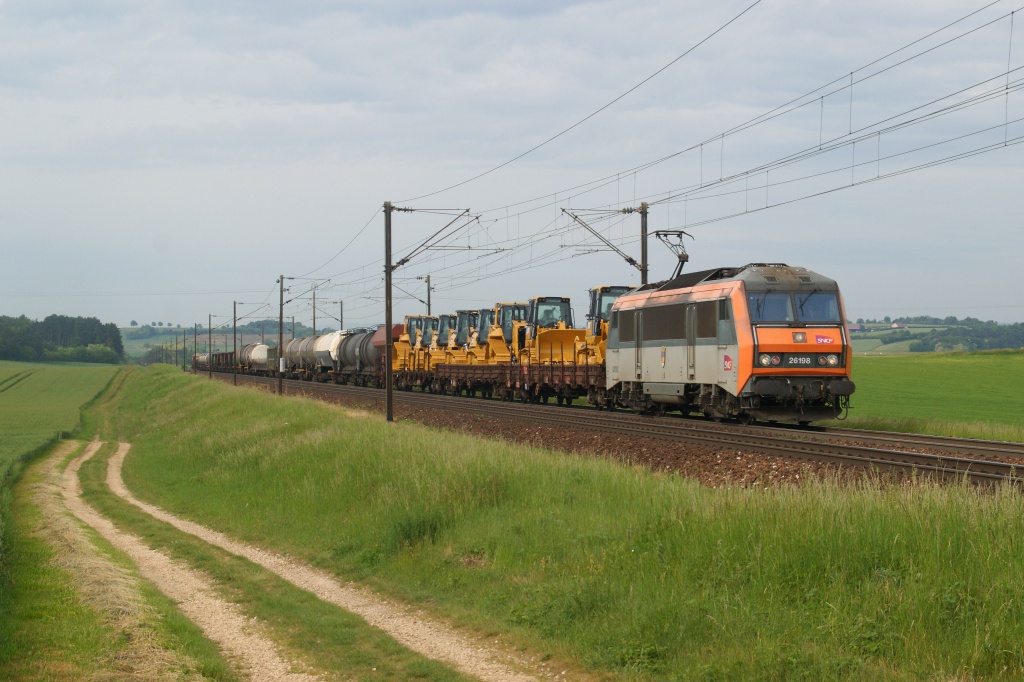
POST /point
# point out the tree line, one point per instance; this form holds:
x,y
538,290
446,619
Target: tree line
x,y
60,338
978,336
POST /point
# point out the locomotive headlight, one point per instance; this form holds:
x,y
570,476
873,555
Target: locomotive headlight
x,y
765,360
833,360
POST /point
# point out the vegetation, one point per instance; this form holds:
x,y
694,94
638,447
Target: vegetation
x,y
306,627
987,336
970,395
924,334
46,630
646,575
39,403
58,337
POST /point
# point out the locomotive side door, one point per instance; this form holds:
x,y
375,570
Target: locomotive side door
x,y
638,321
691,340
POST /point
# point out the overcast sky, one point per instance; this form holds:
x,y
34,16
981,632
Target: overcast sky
x,y
161,160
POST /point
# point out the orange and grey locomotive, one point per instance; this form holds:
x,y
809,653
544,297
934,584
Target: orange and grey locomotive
x,y
763,341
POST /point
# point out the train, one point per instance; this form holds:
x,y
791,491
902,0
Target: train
x,y
763,342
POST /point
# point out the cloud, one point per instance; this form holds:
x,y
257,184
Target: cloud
x,y
279,128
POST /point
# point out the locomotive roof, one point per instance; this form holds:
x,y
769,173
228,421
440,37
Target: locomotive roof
x,y
755,277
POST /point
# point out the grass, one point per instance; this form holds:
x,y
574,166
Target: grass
x,y
47,631
973,395
644,576
39,403
307,628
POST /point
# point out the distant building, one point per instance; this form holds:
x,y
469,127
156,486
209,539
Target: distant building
x,y
857,328
899,325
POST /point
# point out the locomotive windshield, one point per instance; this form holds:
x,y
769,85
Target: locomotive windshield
x,y
767,306
784,306
818,306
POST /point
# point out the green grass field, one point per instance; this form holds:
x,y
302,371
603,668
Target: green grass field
x,y
960,394
46,631
641,575
37,403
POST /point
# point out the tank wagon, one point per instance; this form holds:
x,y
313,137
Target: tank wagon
x,y
763,341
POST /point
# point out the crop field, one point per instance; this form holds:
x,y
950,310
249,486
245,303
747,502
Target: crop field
x,y
39,400
643,576
959,394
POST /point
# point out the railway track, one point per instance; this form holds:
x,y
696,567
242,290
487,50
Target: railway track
x,y
873,450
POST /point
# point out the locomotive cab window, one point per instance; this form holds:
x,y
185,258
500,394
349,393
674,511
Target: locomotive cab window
x,y
818,306
726,327
770,306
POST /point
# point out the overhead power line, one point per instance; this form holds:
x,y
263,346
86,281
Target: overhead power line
x,y
590,115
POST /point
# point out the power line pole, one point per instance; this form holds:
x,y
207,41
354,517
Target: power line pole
x,y
389,400
428,291
209,344
341,315
234,343
280,342
643,243
314,310
195,345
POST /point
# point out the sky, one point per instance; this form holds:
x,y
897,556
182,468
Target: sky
x,y
161,161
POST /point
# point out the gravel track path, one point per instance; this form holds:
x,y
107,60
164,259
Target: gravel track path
x,y
107,587
222,622
471,655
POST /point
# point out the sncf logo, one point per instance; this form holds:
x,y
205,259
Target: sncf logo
x,y
727,364
824,339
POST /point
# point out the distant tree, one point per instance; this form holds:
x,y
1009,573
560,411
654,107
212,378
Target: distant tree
x,y
887,319
159,324
59,337
152,324
860,320
134,323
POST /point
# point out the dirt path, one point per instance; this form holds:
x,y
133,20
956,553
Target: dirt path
x,y
106,587
472,656
221,621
